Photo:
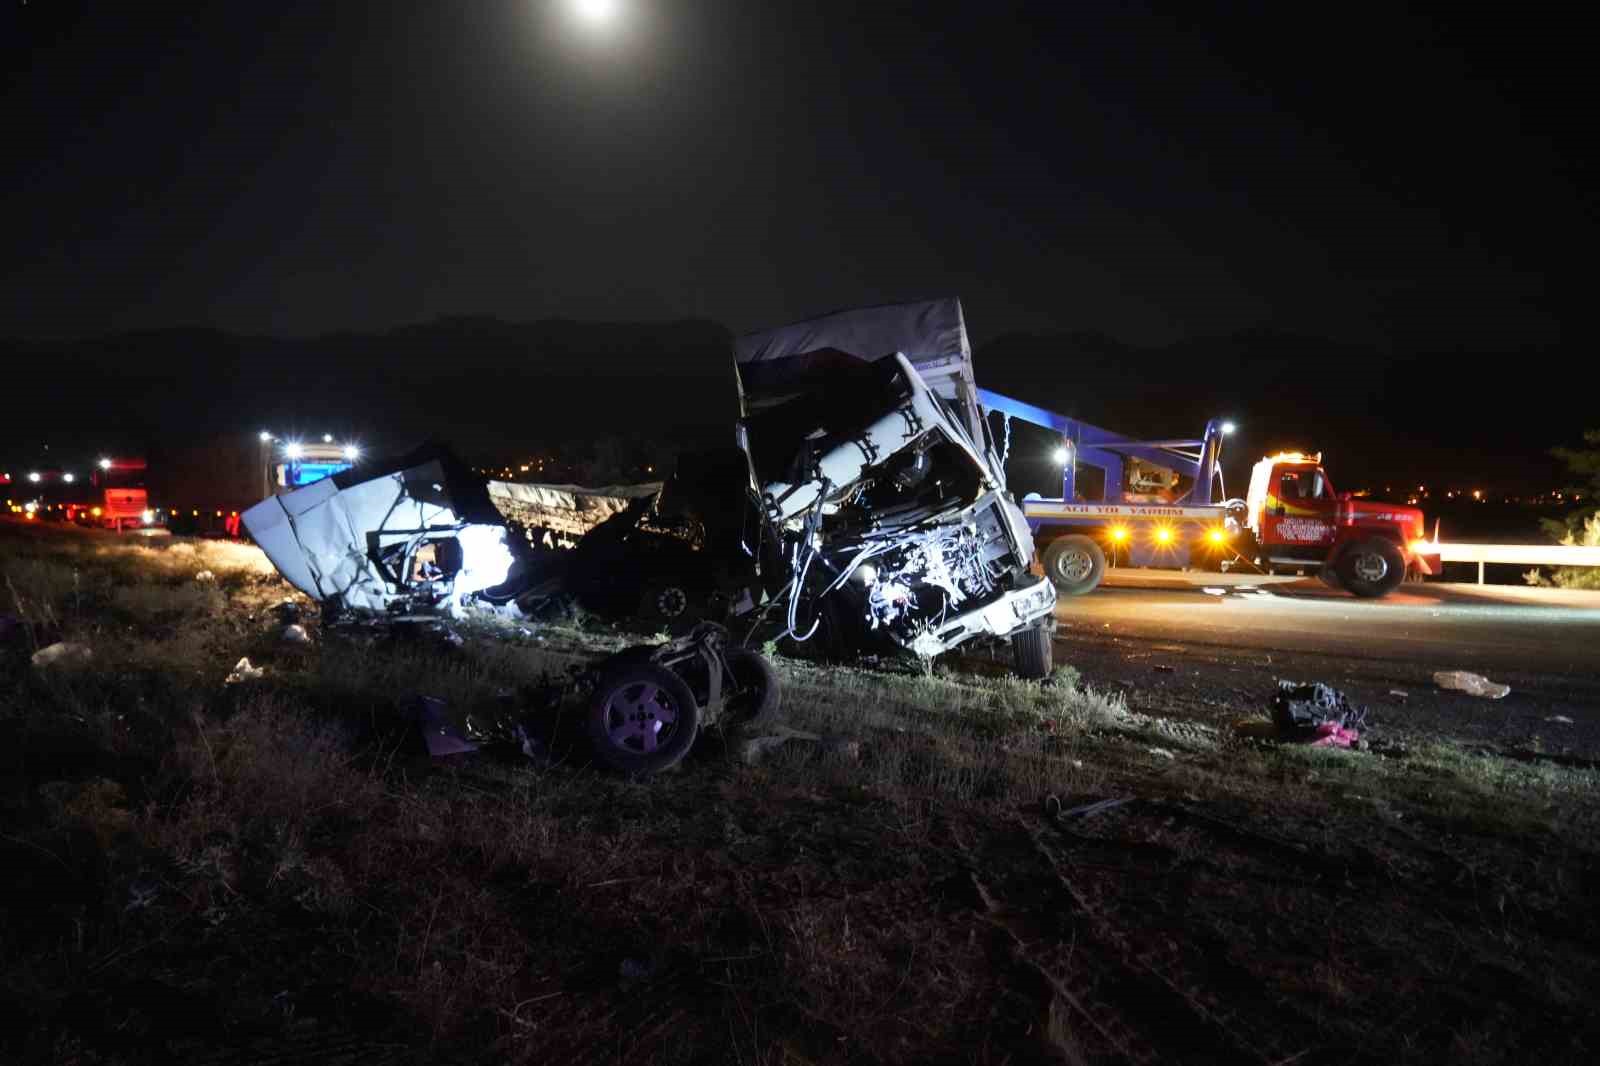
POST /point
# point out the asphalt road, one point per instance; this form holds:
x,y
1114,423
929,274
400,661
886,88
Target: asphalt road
x,y
1178,649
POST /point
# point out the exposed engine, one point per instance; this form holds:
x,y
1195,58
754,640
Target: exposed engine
x,y
915,579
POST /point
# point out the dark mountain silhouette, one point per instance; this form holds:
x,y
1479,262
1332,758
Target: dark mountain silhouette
x,y
494,388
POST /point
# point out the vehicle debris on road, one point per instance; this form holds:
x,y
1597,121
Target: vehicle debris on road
x,y
1315,713
1470,683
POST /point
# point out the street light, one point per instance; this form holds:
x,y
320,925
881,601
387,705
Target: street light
x,y
351,453
1228,427
292,450
327,438
105,464
263,436
33,475
67,478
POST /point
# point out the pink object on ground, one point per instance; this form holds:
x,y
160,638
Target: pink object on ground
x,y
1334,735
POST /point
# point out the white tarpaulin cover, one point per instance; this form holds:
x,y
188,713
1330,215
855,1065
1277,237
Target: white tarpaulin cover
x,y
932,334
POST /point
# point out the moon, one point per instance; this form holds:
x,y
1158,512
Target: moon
x,y
597,12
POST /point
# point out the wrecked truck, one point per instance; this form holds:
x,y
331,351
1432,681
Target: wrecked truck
x,y
881,490
863,507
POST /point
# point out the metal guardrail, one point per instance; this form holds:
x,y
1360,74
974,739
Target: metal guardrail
x,y
1518,555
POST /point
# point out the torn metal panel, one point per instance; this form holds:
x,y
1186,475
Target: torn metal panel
x,y
415,532
558,515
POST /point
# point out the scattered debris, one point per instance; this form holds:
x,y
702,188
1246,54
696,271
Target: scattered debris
x,y
1052,807
1211,591
636,970
1163,668
1399,694
1163,753
142,892
441,737
243,671
287,612
1315,714
206,577
1470,683
295,634
426,628
753,749
1559,719
62,653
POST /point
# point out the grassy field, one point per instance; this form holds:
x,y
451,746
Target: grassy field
x,y
275,871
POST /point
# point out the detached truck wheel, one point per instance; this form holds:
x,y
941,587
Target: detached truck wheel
x,y
642,719
1372,568
1074,564
1031,651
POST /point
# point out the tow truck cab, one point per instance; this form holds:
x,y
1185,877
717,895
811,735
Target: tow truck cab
x,y
1298,519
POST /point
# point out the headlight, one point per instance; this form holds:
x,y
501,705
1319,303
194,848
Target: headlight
x,y
148,517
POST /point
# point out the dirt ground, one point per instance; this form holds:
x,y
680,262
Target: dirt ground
x,y
973,870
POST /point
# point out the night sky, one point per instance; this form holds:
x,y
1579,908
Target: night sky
x,y
1407,184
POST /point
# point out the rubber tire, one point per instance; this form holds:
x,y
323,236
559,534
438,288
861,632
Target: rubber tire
x,y
757,708
1057,550
1032,652
1392,578
640,763
650,598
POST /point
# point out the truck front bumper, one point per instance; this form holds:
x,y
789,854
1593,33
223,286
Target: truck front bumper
x,y
1014,611
1426,562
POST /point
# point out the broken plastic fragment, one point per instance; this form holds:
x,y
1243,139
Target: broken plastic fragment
x,y
62,653
441,737
244,671
1470,683
296,634
205,577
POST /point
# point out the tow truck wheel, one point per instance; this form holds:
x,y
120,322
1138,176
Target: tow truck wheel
x,y
642,718
1372,568
1031,649
1074,564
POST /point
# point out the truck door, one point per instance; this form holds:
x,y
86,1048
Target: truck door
x,y
1300,510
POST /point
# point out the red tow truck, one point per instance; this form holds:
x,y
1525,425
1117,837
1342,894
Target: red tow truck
x,y
1161,504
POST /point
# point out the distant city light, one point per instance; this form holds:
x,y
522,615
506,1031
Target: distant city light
x,y
33,475
264,436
